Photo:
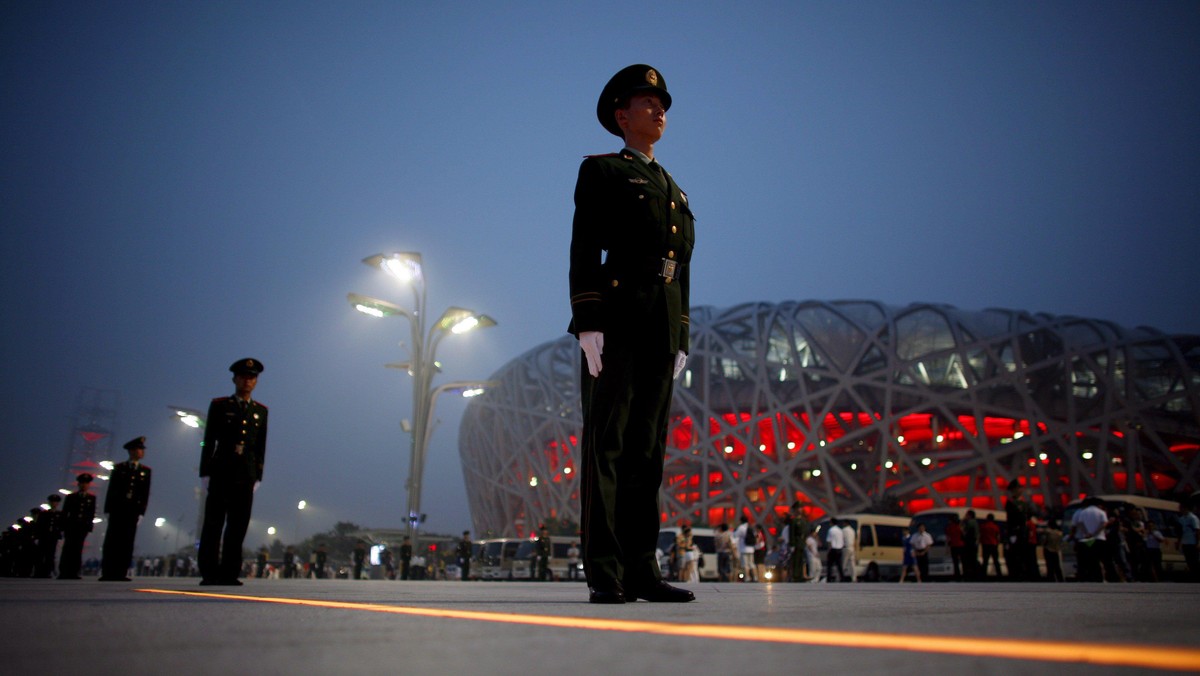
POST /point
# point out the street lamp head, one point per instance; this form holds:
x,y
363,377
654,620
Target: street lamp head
x,y
301,505
190,417
374,306
461,320
404,266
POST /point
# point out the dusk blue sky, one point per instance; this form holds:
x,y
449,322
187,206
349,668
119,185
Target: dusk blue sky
x,y
188,183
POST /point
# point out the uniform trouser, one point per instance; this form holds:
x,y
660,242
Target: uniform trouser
x,y
835,566
117,550
226,518
71,559
625,415
46,549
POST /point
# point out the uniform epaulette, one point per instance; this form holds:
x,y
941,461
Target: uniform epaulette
x,y
588,157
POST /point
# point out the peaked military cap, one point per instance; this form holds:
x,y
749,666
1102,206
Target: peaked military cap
x,y
54,497
247,366
636,78
139,442
84,478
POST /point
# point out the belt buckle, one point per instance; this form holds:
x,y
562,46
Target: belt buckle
x,y
668,269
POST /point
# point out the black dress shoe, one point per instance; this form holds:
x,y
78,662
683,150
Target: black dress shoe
x,y
658,592
609,595
208,582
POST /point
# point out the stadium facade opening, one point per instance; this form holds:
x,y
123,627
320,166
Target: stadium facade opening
x,y
858,406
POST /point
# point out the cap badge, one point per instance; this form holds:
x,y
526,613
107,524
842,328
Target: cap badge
x,y
652,77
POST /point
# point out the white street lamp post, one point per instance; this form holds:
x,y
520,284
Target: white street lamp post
x,y
422,366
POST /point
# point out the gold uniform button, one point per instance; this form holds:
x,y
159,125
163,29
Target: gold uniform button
x,y
641,197
614,283
670,254
672,205
674,229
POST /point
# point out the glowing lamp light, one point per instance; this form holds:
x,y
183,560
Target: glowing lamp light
x,y
889,464
791,446
1087,455
729,449
567,470
533,481
369,310
301,505
465,325
473,392
900,439
271,530
160,522
926,461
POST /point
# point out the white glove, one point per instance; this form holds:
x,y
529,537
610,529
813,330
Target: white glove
x,y
680,362
256,485
592,344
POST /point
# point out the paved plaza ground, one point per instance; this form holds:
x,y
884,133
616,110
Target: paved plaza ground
x,y
174,626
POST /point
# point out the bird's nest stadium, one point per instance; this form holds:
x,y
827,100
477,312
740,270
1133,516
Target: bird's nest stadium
x,y
851,406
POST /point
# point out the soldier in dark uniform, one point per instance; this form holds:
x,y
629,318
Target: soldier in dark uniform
x,y
360,559
1017,512
322,558
79,511
235,448
462,556
47,527
125,503
405,557
289,563
260,563
543,555
27,545
631,245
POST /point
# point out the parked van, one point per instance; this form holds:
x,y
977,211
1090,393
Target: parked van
x,y
1162,513
497,555
878,544
705,538
523,561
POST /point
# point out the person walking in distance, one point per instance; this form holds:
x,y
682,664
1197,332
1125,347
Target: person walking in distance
x,y
631,248
231,466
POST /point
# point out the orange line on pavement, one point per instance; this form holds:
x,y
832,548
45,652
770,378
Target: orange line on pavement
x,y
1147,656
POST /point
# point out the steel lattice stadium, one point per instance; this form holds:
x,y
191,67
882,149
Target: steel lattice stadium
x,y
856,406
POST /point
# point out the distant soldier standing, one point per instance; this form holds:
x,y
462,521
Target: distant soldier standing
x,y
544,547
406,554
462,555
79,511
125,503
235,448
47,528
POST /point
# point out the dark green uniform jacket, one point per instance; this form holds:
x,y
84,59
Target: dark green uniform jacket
x,y
235,440
642,220
128,489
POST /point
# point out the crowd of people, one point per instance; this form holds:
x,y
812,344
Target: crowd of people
x,y
1110,543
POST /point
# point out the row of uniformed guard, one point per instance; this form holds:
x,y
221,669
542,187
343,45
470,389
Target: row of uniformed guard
x,y
231,464
28,548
